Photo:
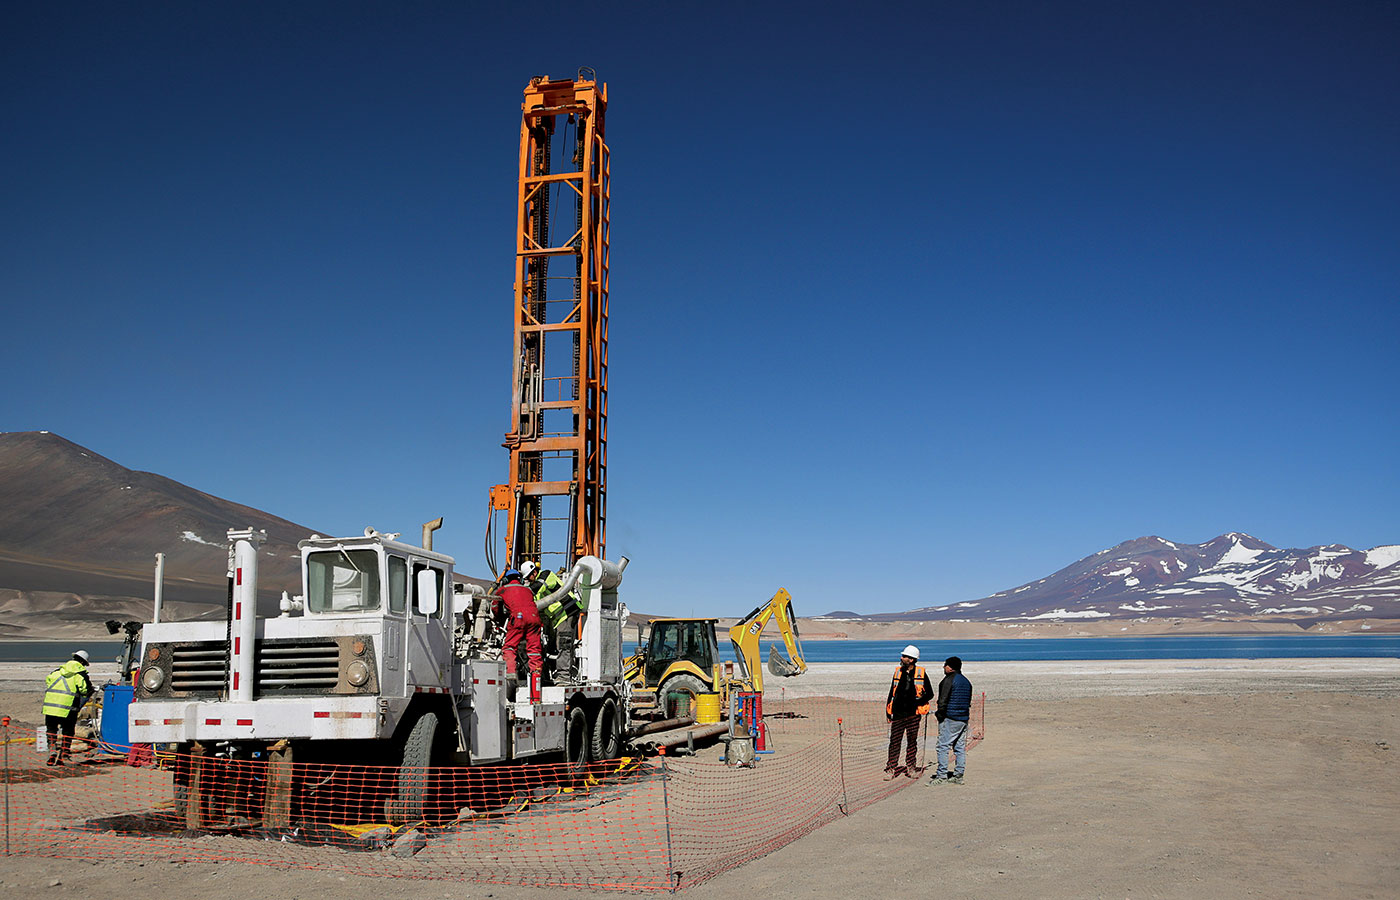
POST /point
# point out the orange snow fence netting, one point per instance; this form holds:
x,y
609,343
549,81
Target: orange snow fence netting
x,y
638,824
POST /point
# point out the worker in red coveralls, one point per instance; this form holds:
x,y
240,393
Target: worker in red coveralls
x,y
524,622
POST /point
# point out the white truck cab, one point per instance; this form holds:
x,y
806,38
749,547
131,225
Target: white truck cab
x,y
361,669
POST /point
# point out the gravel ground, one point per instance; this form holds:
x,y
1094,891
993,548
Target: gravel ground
x,y
1165,778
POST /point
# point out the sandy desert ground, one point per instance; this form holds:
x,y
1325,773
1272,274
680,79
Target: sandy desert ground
x,y
1198,778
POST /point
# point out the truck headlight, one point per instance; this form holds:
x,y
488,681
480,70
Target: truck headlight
x,y
357,673
153,678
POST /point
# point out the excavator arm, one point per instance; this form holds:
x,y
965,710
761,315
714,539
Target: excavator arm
x,y
745,635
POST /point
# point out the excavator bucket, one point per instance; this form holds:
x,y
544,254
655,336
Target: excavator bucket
x,y
780,665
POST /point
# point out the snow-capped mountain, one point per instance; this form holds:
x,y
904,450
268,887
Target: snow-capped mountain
x,y
1234,575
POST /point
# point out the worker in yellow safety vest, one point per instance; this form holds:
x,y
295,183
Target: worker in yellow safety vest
x,y
908,703
66,689
560,617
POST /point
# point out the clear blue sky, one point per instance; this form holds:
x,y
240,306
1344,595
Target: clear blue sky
x,y
910,305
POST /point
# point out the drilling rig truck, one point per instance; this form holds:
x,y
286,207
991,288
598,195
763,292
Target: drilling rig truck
x,y
377,669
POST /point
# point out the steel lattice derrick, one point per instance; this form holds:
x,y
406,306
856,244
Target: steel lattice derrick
x,y
556,499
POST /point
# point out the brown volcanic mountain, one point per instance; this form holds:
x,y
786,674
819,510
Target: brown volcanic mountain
x,y
79,534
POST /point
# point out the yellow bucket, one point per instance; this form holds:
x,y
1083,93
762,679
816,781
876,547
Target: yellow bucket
x,y
706,709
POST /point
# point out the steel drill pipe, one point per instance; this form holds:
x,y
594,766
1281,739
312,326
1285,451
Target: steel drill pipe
x,y
682,734
652,727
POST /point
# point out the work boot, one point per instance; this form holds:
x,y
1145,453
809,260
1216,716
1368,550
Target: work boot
x,y
52,760
892,774
936,779
955,779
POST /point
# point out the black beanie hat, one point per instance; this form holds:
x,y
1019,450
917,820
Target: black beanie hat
x,y
953,663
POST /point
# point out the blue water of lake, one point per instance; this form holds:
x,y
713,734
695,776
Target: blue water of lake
x,y
1253,646
1223,646
59,651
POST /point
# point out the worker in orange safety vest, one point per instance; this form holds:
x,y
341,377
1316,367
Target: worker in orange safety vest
x,y
905,708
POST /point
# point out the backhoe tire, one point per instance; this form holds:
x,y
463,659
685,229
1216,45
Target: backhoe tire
x,y
607,731
681,684
410,800
578,742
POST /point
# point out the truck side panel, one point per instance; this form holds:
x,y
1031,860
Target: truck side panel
x,y
487,679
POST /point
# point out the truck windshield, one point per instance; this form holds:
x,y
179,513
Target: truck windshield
x,y
342,581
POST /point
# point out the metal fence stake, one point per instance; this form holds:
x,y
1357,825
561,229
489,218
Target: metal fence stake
x,y
7,785
672,876
923,748
841,750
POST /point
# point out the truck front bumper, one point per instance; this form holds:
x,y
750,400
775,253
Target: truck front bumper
x,y
271,719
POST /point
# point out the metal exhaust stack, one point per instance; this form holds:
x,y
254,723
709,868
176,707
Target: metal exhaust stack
x,y
428,529
243,617
160,587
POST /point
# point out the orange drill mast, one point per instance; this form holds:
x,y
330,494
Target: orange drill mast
x,y
556,499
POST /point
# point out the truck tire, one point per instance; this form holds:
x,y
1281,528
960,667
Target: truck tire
x,y
577,740
681,684
182,800
607,731
410,800
181,779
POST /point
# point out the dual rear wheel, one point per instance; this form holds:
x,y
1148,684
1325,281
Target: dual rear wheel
x,y
596,737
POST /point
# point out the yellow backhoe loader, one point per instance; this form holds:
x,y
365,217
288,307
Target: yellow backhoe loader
x,y
681,656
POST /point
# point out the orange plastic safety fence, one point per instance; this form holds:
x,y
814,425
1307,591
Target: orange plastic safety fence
x,y
628,824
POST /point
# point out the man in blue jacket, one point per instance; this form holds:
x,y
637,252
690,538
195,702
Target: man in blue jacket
x,y
954,709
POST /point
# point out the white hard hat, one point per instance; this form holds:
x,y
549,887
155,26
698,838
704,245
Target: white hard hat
x,y
911,650
82,654
528,568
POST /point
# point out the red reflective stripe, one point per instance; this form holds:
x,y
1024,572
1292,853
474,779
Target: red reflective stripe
x,y
238,610
321,715
239,579
140,721
237,645
245,721
235,681
213,721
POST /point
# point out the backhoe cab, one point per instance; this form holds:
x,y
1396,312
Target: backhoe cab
x,y
681,656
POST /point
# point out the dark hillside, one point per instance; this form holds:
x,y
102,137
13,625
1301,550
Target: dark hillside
x,y
73,521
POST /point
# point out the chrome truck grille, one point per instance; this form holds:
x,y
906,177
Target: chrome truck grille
x,y
288,665
283,665
198,668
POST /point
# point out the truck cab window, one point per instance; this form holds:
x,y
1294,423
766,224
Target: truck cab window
x,y
398,583
342,581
